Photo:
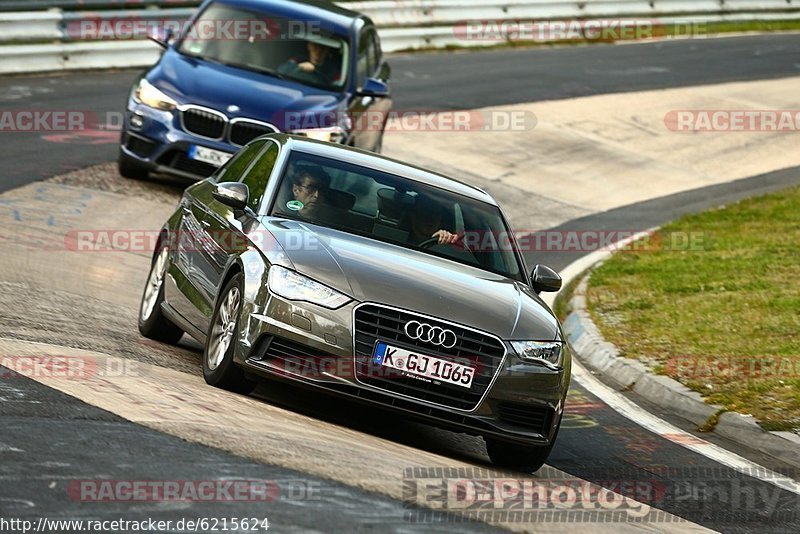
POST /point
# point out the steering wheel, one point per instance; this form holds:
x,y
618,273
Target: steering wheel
x,y
431,241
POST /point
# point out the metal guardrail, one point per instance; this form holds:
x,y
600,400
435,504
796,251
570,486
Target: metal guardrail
x,y
404,24
434,12
34,5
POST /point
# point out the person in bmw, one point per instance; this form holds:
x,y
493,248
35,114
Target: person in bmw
x,y
319,67
455,336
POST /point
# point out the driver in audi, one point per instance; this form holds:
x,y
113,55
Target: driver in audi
x,y
426,223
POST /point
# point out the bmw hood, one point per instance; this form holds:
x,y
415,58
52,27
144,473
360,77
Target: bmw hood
x,y
372,271
258,96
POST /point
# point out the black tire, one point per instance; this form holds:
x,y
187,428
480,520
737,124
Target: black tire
x,y
524,458
152,323
224,373
131,169
379,143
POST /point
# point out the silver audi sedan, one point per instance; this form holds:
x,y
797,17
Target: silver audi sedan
x,y
358,275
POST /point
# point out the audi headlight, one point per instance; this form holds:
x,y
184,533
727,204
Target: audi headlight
x,y
335,134
146,93
547,352
294,286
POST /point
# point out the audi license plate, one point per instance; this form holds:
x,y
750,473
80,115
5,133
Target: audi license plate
x,y
425,367
209,155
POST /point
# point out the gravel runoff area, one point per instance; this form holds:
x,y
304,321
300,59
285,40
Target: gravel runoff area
x,y
105,177
64,317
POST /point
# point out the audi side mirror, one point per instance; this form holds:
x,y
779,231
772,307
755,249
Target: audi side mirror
x,y
545,280
232,194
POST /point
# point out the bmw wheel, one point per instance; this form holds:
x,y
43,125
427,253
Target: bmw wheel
x,y
152,322
219,368
379,143
130,168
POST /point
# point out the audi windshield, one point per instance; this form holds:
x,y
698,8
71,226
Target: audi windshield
x,y
396,210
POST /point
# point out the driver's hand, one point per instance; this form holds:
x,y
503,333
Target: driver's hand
x,y
306,66
446,238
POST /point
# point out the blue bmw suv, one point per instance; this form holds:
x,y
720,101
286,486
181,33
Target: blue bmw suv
x,y
241,68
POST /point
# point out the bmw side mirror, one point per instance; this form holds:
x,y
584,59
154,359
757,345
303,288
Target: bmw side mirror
x,y
232,194
545,280
375,88
161,37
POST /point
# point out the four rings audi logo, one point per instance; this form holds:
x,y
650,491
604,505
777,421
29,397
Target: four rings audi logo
x,y
431,334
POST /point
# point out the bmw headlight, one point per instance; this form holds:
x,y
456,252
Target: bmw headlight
x,y
335,134
547,352
294,286
146,93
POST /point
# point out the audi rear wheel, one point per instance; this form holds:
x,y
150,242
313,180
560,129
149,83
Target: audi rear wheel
x,y
152,322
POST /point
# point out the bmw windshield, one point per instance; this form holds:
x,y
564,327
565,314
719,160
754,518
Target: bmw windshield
x,y
269,44
396,210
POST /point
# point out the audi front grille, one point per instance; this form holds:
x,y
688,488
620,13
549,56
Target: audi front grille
x,y
482,351
203,122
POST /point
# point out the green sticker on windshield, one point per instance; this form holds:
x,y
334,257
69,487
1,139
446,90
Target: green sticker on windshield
x,y
294,205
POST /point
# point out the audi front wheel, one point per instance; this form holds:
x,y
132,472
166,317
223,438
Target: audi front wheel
x,y
219,369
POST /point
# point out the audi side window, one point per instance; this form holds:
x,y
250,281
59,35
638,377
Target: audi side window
x,y
232,171
258,176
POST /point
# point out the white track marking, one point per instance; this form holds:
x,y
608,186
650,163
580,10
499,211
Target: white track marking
x,y
670,432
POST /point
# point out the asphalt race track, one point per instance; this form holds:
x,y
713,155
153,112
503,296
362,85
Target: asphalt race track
x,y
596,443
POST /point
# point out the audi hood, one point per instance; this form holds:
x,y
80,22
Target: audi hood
x,y
372,271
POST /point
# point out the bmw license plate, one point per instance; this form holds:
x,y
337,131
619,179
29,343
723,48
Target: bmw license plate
x,y
423,366
209,155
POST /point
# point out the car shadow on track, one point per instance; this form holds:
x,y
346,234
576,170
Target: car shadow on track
x,y
360,417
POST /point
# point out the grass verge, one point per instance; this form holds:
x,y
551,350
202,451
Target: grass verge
x,y
713,300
